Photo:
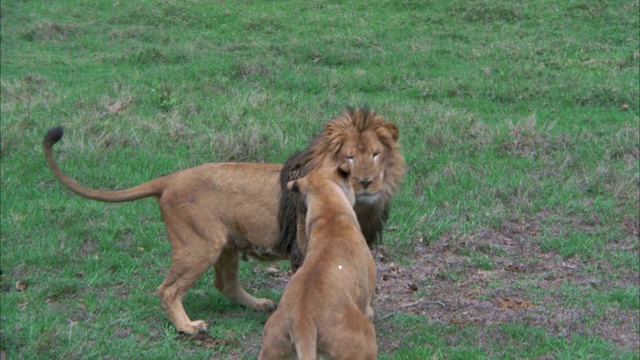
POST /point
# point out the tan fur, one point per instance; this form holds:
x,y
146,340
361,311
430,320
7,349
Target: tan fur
x,y
364,143
326,307
212,213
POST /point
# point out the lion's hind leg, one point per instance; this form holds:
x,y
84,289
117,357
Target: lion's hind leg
x,y
276,339
191,257
179,280
355,339
226,269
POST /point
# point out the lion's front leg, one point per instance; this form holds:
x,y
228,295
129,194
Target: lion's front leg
x,y
227,282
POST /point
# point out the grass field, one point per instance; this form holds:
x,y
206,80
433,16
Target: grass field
x,y
513,236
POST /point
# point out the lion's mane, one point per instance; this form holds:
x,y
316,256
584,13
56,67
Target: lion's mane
x,y
323,150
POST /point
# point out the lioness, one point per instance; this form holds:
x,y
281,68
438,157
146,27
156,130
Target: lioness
x,y
213,212
326,306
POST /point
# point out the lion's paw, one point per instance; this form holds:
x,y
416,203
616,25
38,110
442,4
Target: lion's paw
x,y
265,305
201,325
195,327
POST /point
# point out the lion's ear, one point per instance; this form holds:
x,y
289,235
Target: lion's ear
x,y
344,170
300,186
393,130
293,186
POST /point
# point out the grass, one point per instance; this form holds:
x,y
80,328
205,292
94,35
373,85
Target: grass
x,y
519,123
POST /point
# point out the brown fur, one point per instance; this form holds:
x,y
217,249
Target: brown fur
x,y
350,140
326,307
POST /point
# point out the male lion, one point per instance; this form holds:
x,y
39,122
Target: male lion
x,y
368,145
214,212
326,307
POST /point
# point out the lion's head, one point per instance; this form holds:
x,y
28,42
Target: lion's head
x,y
366,145
363,143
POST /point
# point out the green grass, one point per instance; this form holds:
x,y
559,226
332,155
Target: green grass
x,y
509,114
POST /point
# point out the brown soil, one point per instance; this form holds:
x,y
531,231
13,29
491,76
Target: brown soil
x,y
444,286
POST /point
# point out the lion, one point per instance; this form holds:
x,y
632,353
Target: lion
x,y
368,145
326,307
217,211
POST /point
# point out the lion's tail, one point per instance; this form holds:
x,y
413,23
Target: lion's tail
x,y
305,335
151,188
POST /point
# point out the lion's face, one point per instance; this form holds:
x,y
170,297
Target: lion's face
x,y
363,155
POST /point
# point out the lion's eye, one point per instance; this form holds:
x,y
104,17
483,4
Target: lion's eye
x,y
375,155
349,157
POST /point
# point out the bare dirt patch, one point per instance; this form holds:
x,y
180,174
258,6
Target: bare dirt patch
x,y
523,285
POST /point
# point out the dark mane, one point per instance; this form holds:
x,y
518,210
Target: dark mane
x,y
291,204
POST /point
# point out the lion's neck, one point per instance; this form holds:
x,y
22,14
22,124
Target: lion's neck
x,y
330,212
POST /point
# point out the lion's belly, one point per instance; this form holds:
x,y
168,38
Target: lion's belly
x,y
264,253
